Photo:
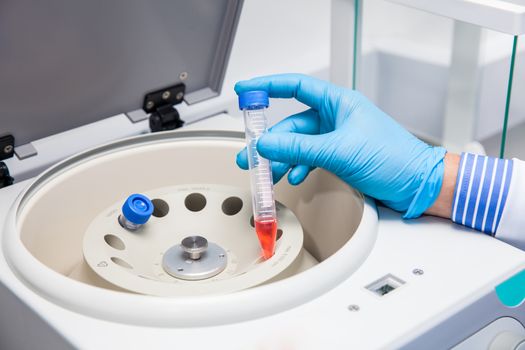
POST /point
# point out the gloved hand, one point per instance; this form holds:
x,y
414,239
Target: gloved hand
x,y
344,133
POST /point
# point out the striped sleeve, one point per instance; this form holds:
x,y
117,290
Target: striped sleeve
x,y
481,192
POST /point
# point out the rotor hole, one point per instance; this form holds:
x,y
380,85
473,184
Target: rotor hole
x,y
121,262
232,205
114,242
195,202
180,269
160,208
279,234
252,222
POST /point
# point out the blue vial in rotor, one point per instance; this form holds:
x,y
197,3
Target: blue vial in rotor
x,y
136,211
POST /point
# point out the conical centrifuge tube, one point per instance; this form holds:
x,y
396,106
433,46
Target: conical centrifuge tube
x,y
136,211
253,104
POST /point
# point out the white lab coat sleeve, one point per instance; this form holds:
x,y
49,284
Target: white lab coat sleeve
x,y
511,228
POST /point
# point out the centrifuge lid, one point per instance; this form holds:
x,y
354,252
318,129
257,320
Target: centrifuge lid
x,y
65,64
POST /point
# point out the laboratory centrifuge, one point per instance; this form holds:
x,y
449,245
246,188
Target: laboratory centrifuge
x,y
346,274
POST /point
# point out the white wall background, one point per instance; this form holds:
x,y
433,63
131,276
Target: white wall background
x,y
276,36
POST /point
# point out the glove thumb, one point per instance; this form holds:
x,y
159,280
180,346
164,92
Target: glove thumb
x,y
294,149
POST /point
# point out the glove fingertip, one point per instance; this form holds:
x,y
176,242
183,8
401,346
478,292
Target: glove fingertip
x,y
238,87
242,160
245,85
279,170
298,174
295,181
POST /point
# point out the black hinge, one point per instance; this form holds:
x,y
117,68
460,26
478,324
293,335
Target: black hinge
x,y
7,146
5,177
160,104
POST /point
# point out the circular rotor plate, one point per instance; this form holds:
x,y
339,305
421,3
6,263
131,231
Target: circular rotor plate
x,y
133,260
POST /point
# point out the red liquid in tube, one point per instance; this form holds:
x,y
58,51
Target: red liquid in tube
x,y
267,232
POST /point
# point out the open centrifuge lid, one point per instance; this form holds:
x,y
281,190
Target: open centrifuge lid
x,y
64,64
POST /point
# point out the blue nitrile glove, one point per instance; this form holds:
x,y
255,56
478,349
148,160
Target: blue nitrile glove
x,y
344,133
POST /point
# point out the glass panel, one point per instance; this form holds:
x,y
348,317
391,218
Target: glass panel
x,y
494,92
404,64
444,80
513,142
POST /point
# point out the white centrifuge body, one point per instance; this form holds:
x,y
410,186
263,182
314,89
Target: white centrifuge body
x,y
441,280
356,277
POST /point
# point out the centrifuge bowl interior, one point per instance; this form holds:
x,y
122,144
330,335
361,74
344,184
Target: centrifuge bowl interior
x,y
43,240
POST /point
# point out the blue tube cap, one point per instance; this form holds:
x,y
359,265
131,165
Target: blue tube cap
x,y
253,99
137,209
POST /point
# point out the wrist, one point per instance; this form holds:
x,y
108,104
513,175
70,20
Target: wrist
x,y
442,207
429,183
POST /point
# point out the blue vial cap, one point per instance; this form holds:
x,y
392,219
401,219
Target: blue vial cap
x,y
137,209
253,99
